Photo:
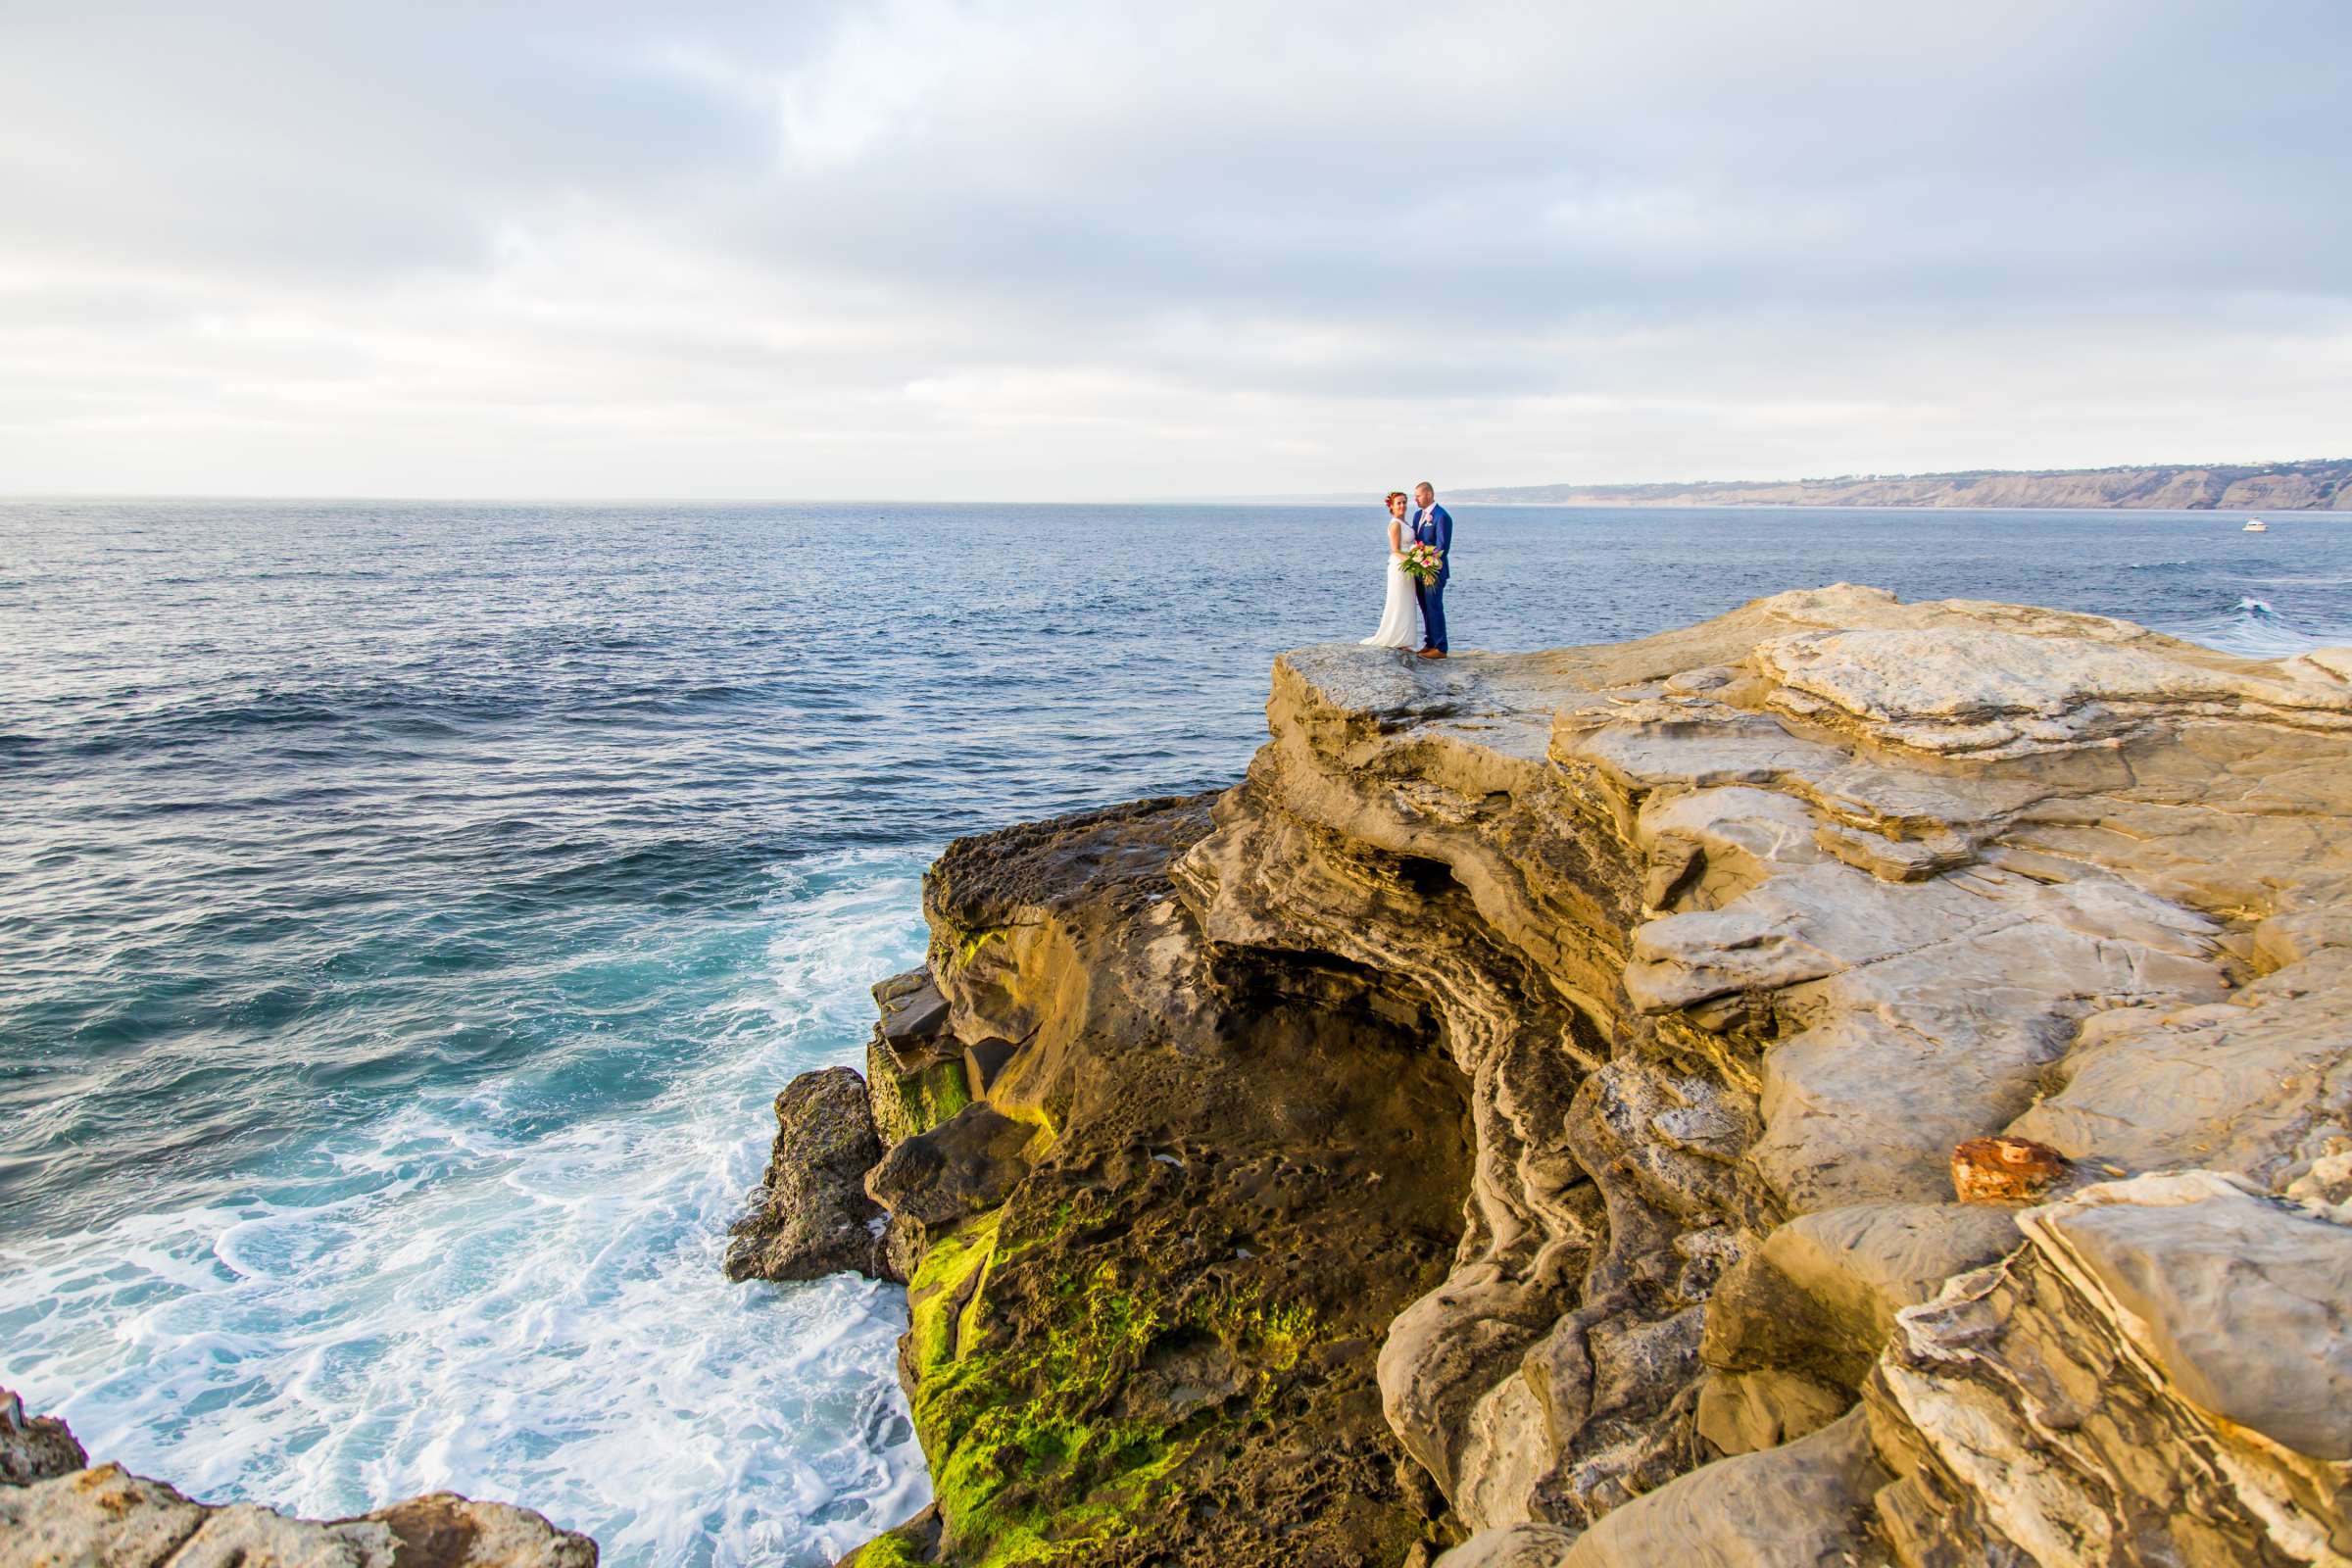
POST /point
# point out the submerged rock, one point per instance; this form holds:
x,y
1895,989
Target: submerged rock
x,y
55,1513
811,1216
1545,1071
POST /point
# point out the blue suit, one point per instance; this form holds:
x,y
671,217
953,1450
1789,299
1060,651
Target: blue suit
x,y
1433,526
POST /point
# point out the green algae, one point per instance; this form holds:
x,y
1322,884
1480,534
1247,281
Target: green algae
x,y
944,1289
1032,1460
905,1104
953,945
891,1550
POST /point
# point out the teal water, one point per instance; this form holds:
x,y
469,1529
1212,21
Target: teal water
x,y
408,912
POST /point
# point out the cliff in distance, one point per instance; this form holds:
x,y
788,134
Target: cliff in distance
x,y
2315,486
1848,1083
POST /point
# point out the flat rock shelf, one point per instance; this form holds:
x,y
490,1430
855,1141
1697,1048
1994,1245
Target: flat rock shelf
x,y
1519,1124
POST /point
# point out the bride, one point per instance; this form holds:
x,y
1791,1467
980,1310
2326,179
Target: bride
x,y
1400,616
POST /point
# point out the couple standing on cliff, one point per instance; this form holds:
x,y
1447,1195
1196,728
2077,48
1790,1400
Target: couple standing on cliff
x,y
1427,524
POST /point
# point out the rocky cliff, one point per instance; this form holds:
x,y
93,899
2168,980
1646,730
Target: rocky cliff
x,y
2322,486
1527,1120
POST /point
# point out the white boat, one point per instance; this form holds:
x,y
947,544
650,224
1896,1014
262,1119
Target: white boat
x,y
2255,525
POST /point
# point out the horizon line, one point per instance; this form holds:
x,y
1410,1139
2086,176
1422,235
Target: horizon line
x,y
1276,498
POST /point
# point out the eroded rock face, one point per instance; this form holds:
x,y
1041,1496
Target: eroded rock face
x,y
55,1513
1157,1259
811,1216
1710,949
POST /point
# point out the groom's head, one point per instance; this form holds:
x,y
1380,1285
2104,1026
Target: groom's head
x,y
1425,494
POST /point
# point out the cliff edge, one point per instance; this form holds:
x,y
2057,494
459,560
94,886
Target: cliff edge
x,y
1846,1082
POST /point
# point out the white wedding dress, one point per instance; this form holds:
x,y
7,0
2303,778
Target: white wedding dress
x,y
1400,615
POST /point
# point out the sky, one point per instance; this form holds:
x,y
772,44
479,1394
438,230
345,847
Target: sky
x,y
930,249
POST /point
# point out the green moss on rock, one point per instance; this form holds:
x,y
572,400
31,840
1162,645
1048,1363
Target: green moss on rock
x,y
909,1103
1158,1348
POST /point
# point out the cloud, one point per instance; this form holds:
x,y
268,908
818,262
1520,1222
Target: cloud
x,y
918,248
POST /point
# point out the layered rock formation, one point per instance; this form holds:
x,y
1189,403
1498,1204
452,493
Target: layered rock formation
x,y
1519,1120
58,1512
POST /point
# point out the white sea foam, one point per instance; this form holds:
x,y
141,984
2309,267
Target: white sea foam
x,y
492,1299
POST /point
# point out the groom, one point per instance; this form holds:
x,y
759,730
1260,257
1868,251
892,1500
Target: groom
x,y
1433,526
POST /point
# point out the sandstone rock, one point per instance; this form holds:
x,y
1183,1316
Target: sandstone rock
x,y
1804,1506
903,1102
2160,1378
966,1164
1157,1259
1671,973
914,1018
104,1517
1820,1296
983,1061
2241,1087
811,1216
1745,1412
2004,1170
2243,1306
1521,1546
2327,1186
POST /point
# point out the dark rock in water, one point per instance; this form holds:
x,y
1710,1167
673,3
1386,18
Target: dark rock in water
x,y
35,1448
56,1512
963,1165
811,1216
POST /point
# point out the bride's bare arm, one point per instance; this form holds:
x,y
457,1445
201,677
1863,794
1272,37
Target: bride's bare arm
x,y
1396,537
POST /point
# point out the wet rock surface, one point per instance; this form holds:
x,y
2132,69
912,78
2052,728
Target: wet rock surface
x,y
1555,1071
56,1511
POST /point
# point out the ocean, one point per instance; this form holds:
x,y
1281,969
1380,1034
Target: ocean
x,y
409,910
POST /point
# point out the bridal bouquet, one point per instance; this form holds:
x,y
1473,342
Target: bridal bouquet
x,y
1422,562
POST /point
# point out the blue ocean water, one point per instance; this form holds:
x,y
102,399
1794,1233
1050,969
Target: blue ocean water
x,y
407,910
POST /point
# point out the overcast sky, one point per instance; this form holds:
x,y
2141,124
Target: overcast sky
x,y
951,249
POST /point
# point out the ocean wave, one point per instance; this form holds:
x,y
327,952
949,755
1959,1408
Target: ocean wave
x,y
422,1300
2254,627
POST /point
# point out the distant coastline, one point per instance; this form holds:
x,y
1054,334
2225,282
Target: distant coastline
x,y
2319,485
